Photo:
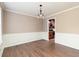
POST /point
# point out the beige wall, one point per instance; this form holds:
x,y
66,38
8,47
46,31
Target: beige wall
x,y
15,23
68,22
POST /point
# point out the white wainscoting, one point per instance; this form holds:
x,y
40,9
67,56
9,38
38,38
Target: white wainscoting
x,y
1,50
20,38
67,39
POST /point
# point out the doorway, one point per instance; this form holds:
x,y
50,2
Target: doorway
x,y
51,29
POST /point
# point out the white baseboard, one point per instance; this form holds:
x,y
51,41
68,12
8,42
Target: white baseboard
x,y
70,40
20,38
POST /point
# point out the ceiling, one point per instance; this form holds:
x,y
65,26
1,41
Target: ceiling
x,y
32,8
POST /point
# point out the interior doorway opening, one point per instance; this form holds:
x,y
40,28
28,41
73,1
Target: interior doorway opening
x,y
51,29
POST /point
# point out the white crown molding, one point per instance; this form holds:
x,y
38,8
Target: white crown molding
x,y
21,13
66,10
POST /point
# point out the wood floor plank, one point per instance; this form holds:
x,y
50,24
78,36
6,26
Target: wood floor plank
x,y
40,48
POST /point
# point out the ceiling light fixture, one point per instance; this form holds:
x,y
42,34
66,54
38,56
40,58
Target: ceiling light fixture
x,y
40,11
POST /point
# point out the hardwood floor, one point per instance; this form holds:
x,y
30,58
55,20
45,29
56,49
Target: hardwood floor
x,y
40,48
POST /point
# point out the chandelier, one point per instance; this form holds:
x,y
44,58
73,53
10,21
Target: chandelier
x,y
41,11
